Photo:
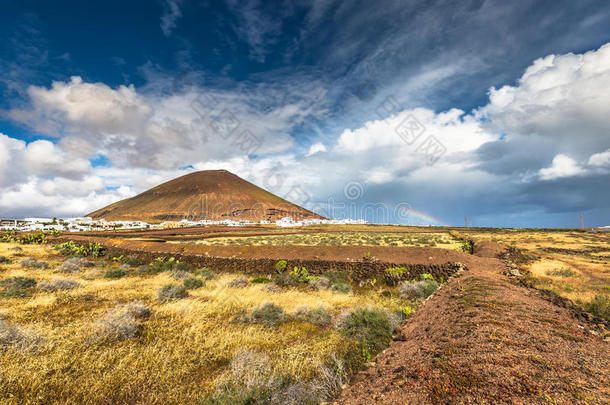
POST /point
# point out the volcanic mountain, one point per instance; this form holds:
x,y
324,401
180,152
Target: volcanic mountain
x,y
209,194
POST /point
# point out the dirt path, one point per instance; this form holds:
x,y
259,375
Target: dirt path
x,y
482,339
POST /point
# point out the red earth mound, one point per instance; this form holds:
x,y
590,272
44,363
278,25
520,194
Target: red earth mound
x,y
209,194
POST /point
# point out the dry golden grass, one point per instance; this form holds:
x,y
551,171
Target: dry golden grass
x,y
182,348
586,256
437,239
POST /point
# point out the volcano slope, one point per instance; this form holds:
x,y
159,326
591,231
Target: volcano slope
x,y
483,339
208,194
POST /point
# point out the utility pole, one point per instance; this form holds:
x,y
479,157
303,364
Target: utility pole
x,y
582,222
470,222
465,222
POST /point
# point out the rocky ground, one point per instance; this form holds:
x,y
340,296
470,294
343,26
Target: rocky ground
x,y
483,338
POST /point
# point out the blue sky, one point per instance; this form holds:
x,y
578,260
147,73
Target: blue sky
x,y
103,100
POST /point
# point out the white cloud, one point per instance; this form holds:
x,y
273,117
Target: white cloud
x,y
562,166
600,159
92,106
559,97
456,131
11,165
160,131
46,158
316,148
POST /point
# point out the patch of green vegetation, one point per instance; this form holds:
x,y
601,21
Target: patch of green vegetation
x,y
281,266
71,248
161,264
370,327
599,306
171,292
16,287
116,273
36,238
395,274
192,283
205,273
5,260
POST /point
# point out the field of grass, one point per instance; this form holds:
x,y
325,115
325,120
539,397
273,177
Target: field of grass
x,y
572,264
440,240
100,331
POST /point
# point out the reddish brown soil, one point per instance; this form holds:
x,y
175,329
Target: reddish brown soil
x,y
407,255
483,339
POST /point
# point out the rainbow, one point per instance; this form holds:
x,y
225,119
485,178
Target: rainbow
x,y
429,219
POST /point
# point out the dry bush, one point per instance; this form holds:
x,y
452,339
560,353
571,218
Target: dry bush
x,y
32,263
94,273
239,282
251,369
180,274
252,380
59,284
138,309
330,379
171,292
13,336
319,316
271,288
320,283
74,265
122,322
417,289
268,314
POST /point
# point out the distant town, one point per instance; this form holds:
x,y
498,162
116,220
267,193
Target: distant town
x,y
85,224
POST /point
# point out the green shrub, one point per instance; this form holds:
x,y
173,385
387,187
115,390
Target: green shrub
x,y
600,307
183,266
18,282
35,238
161,264
342,288
171,292
71,248
205,273
16,287
260,280
281,266
302,275
370,327
192,283
5,260
268,314
116,273
395,274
